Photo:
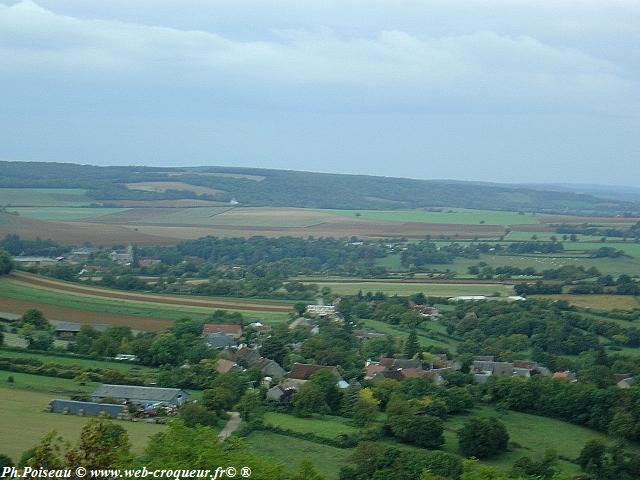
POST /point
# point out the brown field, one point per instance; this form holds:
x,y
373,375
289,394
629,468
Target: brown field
x,y
56,313
134,229
597,302
164,186
78,232
180,203
533,228
54,285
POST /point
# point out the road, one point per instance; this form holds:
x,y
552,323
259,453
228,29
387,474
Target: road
x,y
232,424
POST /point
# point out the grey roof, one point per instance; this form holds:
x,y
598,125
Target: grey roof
x,y
134,392
90,409
75,327
67,327
220,340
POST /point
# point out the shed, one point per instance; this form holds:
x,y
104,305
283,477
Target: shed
x,y
141,395
89,409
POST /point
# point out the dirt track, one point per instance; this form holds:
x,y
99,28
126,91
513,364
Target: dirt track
x,y
165,300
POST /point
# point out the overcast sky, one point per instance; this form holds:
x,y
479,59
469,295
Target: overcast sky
x,y
491,90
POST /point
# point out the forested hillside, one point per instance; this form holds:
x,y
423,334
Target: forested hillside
x,y
259,187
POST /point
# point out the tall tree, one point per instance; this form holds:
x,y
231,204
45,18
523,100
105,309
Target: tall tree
x,y
411,347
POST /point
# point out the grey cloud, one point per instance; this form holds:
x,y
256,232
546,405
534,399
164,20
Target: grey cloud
x,y
475,68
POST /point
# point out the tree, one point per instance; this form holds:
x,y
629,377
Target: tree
x,y
6,265
219,399
193,414
365,408
483,437
307,472
275,347
592,456
166,349
5,461
309,400
180,447
411,346
250,405
39,341
35,318
102,444
422,430
300,308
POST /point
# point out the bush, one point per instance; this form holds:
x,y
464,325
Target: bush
x,y
421,430
483,438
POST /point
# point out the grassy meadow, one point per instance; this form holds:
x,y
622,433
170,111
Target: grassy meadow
x,y
458,216
409,288
45,197
327,427
25,410
291,452
64,214
41,297
531,435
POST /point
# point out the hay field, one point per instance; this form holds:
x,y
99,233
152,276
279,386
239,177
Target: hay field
x,y
65,301
409,288
597,302
24,409
50,197
164,186
456,216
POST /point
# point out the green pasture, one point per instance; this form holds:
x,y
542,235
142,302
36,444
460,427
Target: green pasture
x,y
612,266
292,451
630,248
40,383
50,197
533,435
69,360
147,309
457,216
24,421
222,216
326,427
436,336
407,288
63,214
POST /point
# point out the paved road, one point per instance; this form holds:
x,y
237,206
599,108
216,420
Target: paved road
x,y
230,427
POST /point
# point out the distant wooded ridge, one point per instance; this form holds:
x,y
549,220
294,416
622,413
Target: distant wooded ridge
x,y
287,188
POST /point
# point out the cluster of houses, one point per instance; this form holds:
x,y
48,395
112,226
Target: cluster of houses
x,y
485,367
401,368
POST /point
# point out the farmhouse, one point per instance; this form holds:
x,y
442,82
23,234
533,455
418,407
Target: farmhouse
x,y
484,367
230,329
252,359
281,393
89,409
141,395
65,330
321,310
425,310
30,261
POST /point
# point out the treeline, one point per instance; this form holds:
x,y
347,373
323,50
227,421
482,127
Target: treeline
x,y
610,410
19,246
419,255
593,230
493,328
284,256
